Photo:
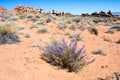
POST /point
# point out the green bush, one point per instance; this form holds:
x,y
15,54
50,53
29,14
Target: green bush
x,y
8,35
64,55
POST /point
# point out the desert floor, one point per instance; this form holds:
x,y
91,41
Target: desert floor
x,y
22,61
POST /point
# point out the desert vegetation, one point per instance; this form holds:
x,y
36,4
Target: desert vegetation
x,y
86,44
65,55
8,35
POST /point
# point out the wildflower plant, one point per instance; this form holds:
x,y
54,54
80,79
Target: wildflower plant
x,y
65,55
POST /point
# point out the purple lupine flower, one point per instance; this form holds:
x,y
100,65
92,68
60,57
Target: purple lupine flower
x,y
83,56
84,63
92,61
74,47
84,52
80,51
71,43
77,66
64,43
71,58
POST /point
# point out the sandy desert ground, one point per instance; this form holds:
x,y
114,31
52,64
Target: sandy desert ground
x,y
22,60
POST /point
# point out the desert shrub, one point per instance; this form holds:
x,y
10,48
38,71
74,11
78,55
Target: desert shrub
x,y
40,22
34,19
110,31
67,33
29,16
25,33
37,16
81,27
6,16
118,42
72,27
76,19
19,27
10,22
112,76
93,30
53,17
64,55
75,37
99,51
44,30
22,16
48,20
118,18
117,27
62,26
8,35
12,19
34,25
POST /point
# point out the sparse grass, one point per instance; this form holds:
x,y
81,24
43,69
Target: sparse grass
x,y
34,19
29,16
72,27
110,31
65,55
12,18
62,26
34,25
40,22
75,36
6,28
100,52
22,16
76,19
93,30
44,30
81,27
48,20
6,16
25,33
19,27
117,27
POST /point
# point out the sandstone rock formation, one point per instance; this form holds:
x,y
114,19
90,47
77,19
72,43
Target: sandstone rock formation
x,y
3,10
22,8
99,14
108,14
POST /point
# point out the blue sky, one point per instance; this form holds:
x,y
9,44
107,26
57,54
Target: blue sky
x,y
73,6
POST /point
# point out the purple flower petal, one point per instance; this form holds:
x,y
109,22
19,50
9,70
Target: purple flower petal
x,y
80,51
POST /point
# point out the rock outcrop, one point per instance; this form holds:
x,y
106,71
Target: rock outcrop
x,y
108,14
100,14
22,8
3,10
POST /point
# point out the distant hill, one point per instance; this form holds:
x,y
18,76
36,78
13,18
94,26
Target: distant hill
x,y
116,13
